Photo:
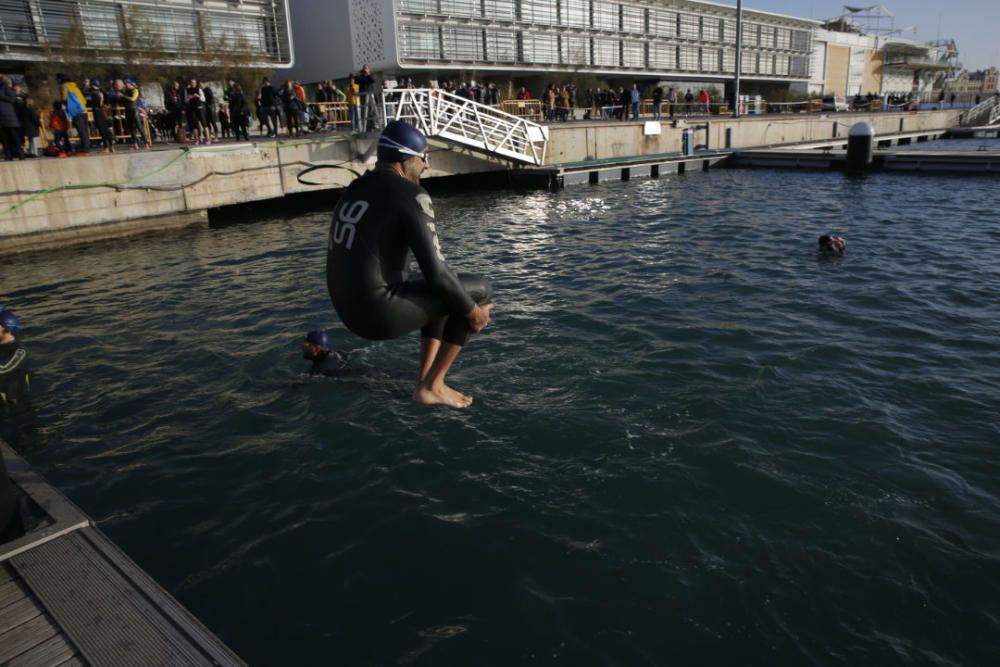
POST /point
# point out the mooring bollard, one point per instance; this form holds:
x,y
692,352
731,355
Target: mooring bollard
x,y
860,147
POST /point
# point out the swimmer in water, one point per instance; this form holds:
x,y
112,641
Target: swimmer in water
x,y
831,245
379,220
14,377
316,348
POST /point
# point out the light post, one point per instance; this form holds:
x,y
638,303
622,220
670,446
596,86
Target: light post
x,y
739,58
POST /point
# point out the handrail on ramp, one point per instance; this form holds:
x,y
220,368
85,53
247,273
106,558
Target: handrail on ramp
x,y
463,121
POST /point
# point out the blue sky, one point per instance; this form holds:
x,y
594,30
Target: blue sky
x,y
973,24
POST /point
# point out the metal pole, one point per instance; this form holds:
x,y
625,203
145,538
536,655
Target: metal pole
x,y
739,58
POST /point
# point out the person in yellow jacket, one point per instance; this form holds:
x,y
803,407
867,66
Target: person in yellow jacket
x,y
75,107
353,92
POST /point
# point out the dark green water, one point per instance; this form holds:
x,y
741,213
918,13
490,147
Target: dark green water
x,y
693,442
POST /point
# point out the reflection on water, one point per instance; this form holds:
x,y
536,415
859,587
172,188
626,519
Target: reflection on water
x,y
692,439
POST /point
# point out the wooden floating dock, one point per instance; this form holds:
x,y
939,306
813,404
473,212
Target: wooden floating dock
x,y
557,176
956,162
825,154
69,596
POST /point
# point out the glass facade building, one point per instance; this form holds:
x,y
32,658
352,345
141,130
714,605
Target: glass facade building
x,y
649,37
182,28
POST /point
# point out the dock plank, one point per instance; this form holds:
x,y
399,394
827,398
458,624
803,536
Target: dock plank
x,y
12,592
52,651
6,574
112,611
75,661
15,614
25,637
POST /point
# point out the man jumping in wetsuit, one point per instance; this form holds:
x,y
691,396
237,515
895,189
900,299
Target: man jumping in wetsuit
x,y
381,217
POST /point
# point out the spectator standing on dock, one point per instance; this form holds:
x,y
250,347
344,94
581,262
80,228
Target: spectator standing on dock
x,y
211,120
239,112
173,101
657,103
76,110
128,98
267,109
291,106
366,87
636,99
672,100
14,377
194,100
523,94
95,99
492,95
10,126
224,123
354,103
688,102
27,115
706,101
624,101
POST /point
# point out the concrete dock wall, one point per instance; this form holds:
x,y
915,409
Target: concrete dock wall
x,y
575,143
49,202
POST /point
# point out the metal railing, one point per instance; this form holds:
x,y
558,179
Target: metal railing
x,y
463,121
985,113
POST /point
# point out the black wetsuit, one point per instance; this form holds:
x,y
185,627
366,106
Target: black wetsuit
x,y
333,364
13,372
378,221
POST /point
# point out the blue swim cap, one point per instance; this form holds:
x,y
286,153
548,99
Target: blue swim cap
x,y
318,338
400,141
9,322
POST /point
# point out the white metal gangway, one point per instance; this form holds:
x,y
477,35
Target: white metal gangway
x,y
454,118
985,113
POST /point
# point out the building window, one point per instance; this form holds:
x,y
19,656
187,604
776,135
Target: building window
x,y
765,63
419,6
781,64
633,54
798,66
499,10
231,32
606,16
542,12
662,23
690,26
501,46
729,61
783,39
462,44
662,56
461,7
801,40
540,48
709,60
688,58
748,63
575,50
575,13
100,24
710,29
606,52
419,42
766,37
729,32
634,20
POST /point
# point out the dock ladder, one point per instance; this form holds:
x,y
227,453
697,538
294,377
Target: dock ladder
x,y
984,114
462,121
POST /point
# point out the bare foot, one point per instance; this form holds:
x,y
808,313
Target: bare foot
x,y
443,396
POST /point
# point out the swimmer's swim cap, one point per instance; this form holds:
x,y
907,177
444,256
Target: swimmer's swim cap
x,y
400,141
318,338
9,322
